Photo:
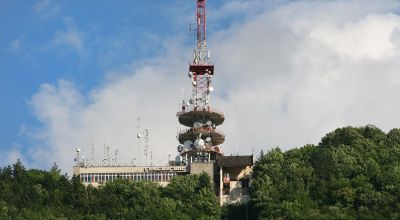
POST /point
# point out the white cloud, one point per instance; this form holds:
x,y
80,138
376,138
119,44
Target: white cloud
x,y
284,77
72,37
11,157
46,8
368,38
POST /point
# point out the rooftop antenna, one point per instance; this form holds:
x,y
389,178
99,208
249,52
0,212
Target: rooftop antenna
x,y
146,143
116,154
92,151
169,157
104,149
138,136
151,158
108,154
77,159
183,105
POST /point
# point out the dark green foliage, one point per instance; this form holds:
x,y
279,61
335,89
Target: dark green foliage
x,y
37,194
239,212
353,173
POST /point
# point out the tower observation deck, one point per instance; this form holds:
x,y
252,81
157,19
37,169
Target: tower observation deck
x,y
200,141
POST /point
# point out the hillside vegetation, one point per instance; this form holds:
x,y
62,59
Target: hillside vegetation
x,y
353,173
36,194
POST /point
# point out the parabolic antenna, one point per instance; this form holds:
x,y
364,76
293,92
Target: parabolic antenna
x,y
78,149
197,125
199,143
180,148
178,159
209,123
210,89
188,144
208,139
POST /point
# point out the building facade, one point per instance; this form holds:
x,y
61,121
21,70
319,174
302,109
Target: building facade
x,y
97,175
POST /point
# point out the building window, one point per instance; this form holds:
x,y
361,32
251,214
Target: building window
x,y
245,183
226,190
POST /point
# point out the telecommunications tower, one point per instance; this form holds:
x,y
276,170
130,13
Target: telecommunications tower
x,y
200,141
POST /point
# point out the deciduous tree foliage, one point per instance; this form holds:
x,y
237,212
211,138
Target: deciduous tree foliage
x,y
353,173
37,194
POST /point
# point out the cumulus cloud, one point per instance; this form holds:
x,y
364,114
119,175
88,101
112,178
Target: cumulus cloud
x,y
284,78
108,115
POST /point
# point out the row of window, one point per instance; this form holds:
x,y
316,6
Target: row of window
x,y
104,177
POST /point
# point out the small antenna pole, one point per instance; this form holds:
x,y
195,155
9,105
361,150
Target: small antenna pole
x,y
92,151
77,159
104,149
138,135
146,143
151,158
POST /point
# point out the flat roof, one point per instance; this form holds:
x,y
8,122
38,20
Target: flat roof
x,y
235,161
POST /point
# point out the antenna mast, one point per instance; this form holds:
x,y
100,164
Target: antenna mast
x,y
199,70
200,141
201,53
138,136
146,143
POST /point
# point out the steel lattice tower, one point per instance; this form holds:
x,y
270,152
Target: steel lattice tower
x,y
200,141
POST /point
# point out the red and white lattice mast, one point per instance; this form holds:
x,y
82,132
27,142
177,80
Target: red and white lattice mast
x,y
200,141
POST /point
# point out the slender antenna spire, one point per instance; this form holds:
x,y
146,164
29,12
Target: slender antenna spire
x,y
138,135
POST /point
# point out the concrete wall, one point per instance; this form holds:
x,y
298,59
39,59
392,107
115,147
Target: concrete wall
x,y
198,168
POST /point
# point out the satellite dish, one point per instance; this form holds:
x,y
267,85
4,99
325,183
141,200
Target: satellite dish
x,y
209,123
210,89
178,159
190,74
208,139
197,125
180,148
188,144
78,149
138,135
194,83
199,143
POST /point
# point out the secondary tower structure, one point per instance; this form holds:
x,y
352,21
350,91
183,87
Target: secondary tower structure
x,y
200,141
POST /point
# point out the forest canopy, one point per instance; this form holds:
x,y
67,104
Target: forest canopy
x,y
353,173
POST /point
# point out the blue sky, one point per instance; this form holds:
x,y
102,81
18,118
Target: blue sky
x,y
44,41
76,73
80,41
